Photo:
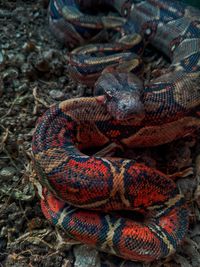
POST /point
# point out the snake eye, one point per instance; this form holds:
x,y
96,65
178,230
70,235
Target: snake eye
x,y
125,12
126,8
148,31
124,106
173,47
108,94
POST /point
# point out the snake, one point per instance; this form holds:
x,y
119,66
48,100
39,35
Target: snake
x,y
95,198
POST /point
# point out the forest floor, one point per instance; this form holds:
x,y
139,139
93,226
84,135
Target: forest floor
x,y
33,76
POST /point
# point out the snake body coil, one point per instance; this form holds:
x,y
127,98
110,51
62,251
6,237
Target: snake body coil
x,y
80,191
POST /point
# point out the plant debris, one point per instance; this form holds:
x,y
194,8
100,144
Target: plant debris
x,y
33,76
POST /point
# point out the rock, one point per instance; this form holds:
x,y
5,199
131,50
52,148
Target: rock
x,y
10,74
42,65
57,94
7,172
28,71
86,256
1,57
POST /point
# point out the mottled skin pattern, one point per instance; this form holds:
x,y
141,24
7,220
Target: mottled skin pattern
x,y
79,191
106,184
170,26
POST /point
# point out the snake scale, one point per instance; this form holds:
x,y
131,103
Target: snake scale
x,y
83,193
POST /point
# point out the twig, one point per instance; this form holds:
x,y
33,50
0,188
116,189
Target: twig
x,y
11,107
38,100
4,138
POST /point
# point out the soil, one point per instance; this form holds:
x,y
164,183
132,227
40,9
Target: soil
x,y
33,76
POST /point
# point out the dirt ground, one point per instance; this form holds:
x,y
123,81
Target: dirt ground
x,y
33,75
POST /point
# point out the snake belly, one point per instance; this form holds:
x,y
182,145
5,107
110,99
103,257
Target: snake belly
x,y
80,192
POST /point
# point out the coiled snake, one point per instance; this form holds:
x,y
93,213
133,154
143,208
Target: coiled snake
x,y
80,192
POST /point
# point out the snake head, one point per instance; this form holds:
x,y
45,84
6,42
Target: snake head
x,y
121,93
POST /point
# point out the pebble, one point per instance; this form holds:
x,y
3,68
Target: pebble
x,y
1,57
19,59
10,74
86,256
23,87
29,46
42,65
7,172
28,71
57,94
4,231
